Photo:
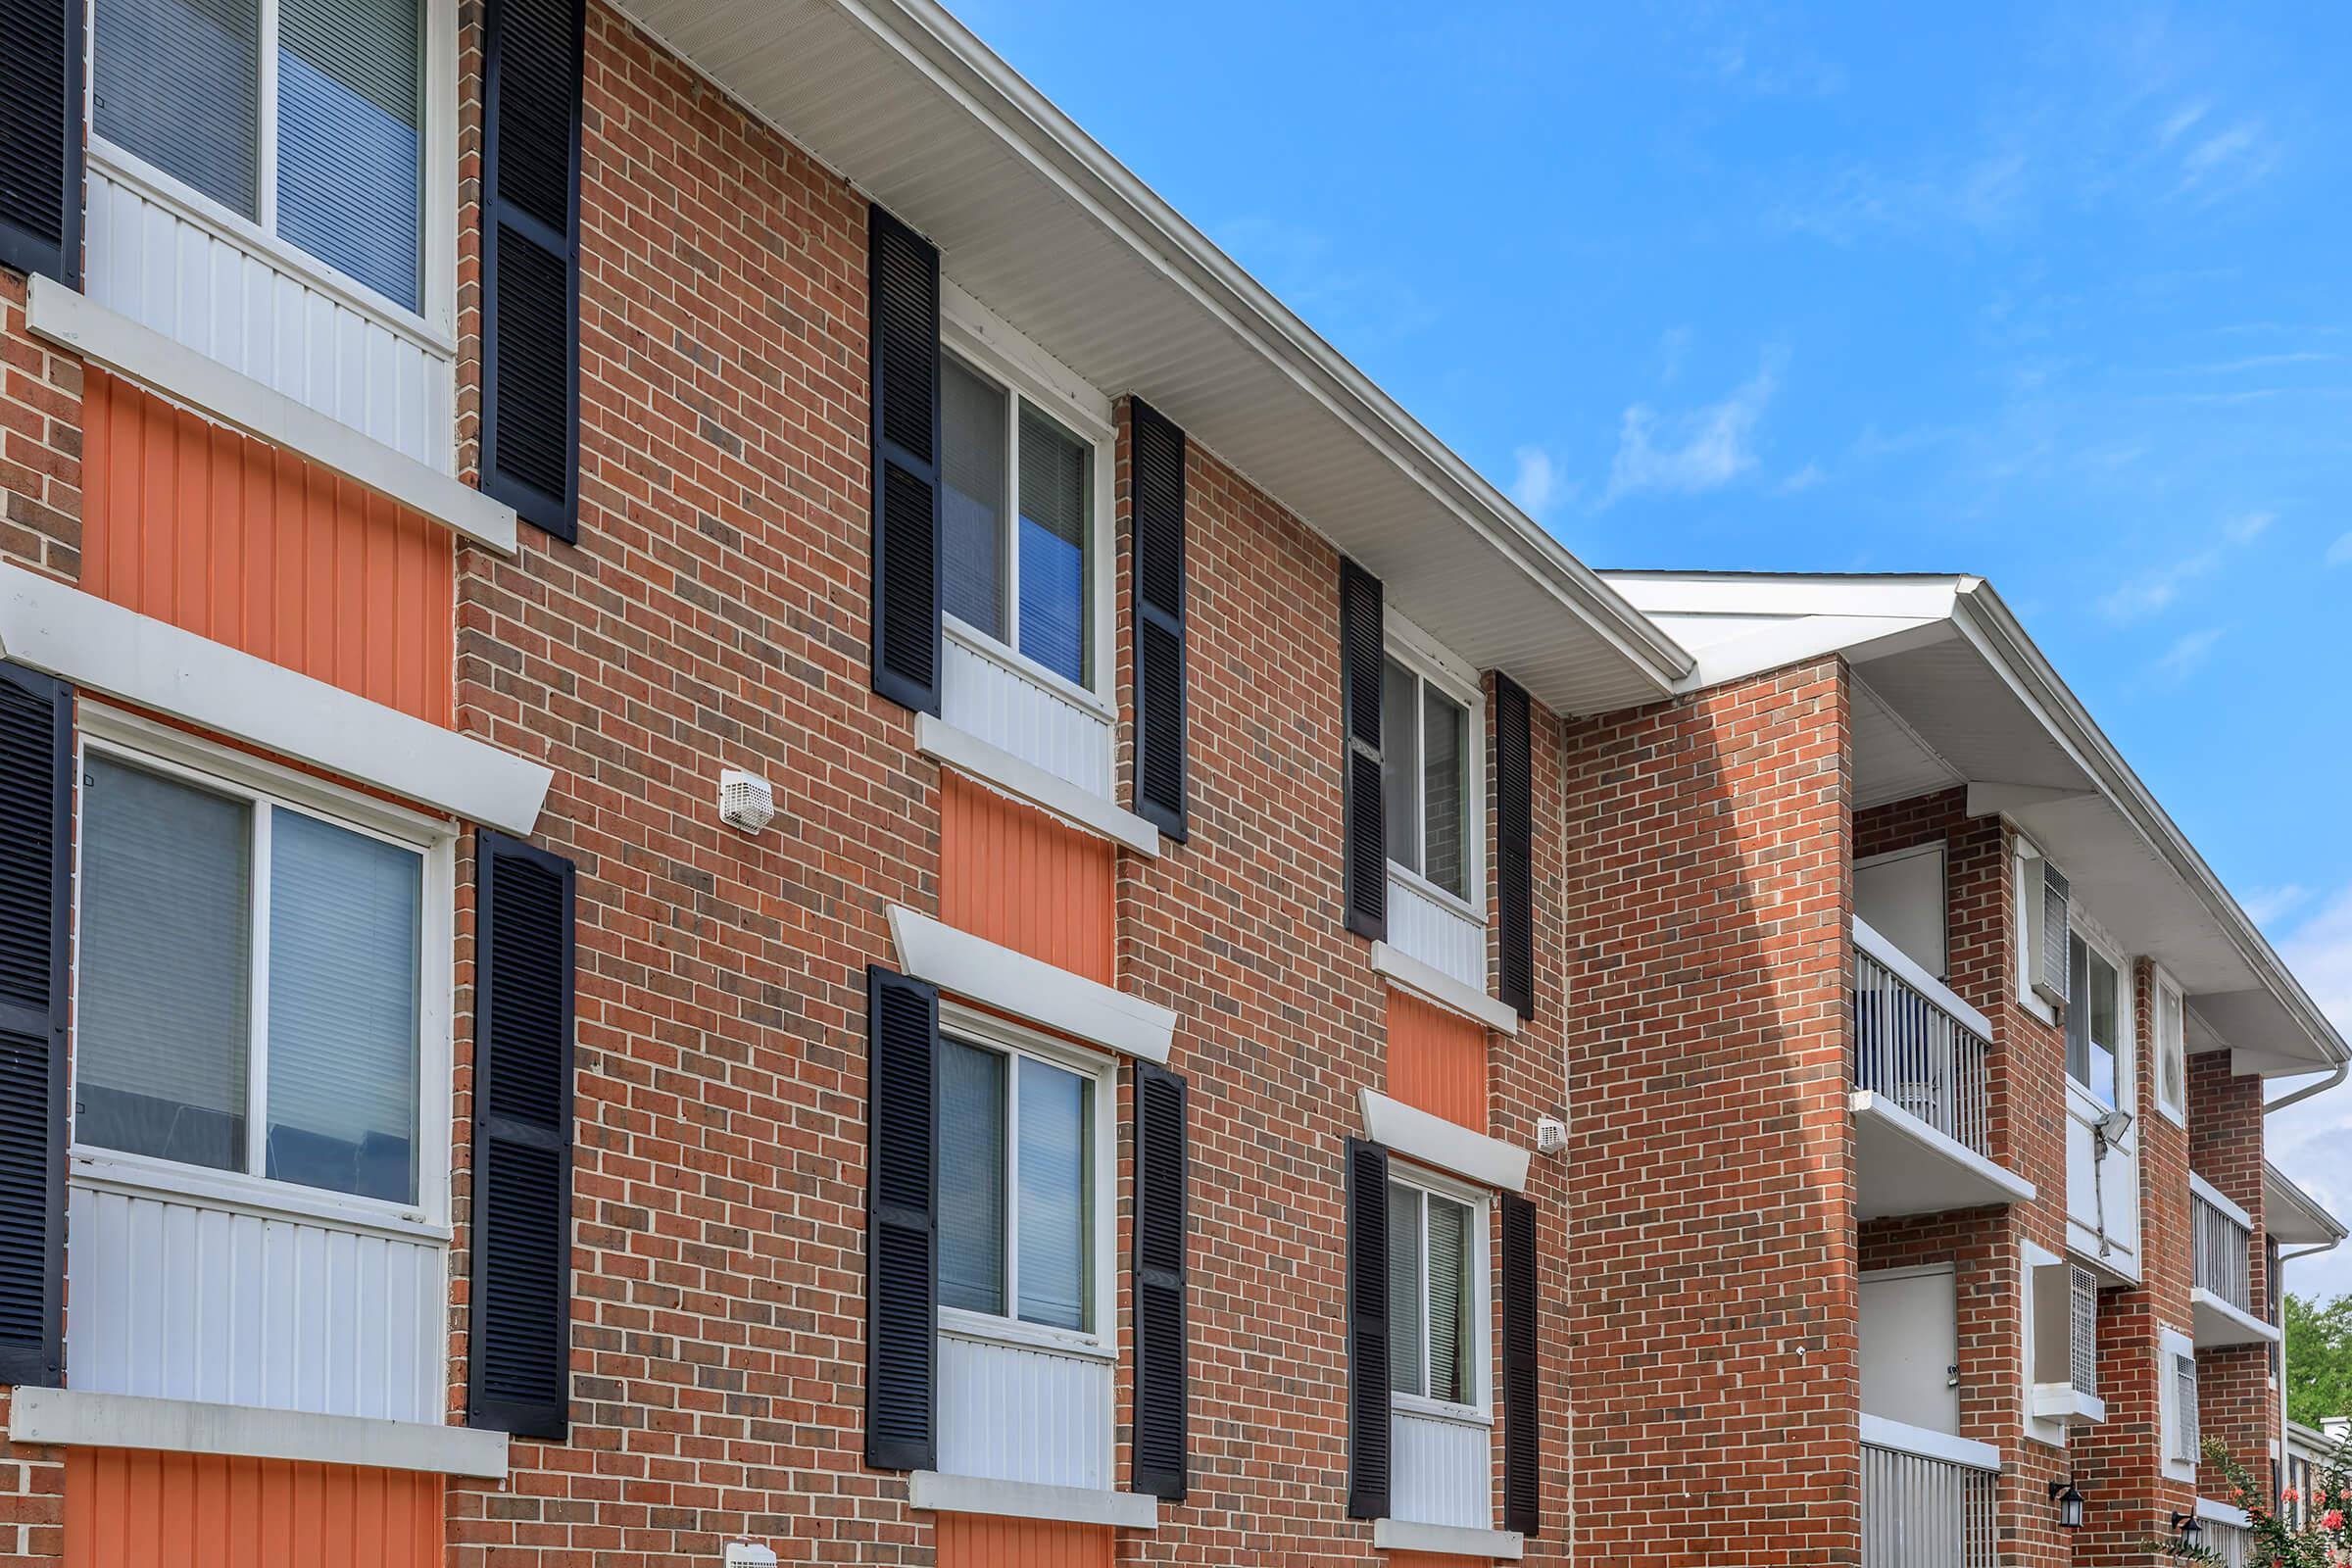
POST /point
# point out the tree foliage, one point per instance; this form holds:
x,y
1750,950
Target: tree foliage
x,y
2318,1359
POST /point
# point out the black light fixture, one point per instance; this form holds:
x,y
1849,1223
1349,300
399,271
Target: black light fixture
x,y
2069,1501
2191,1529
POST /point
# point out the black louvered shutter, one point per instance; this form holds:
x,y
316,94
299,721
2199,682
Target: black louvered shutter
x,y
1363,652
1157,476
1514,847
1522,1435
521,1366
901,1233
40,137
1367,1330
36,795
532,54
910,582
1162,1376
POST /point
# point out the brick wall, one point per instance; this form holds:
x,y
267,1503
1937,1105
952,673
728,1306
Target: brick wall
x,y
40,444
2237,1403
1714,1364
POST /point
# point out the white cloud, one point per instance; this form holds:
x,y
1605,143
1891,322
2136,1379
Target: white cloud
x,y
1538,487
2265,906
2179,121
2153,592
2187,652
2241,154
1803,479
1703,450
2339,554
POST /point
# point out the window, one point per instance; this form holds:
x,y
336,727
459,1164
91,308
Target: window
x,y
2171,1046
1017,1184
2183,1448
1437,1263
2093,1019
250,991
1018,524
1427,744
304,117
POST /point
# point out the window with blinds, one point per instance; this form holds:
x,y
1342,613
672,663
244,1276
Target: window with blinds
x,y
1435,1327
2185,1435
333,164
1016,1187
250,982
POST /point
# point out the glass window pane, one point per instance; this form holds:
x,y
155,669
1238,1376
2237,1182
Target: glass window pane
x,y
1401,761
176,82
972,512
349,139
2171,1022
1056,500
1409,1362
160,1046
1450,1303
971,1178
2104,1034
2077,1011
344,944
1053,1216
1444,729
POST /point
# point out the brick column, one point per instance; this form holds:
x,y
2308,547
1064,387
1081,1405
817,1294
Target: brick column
x,y
2237,1402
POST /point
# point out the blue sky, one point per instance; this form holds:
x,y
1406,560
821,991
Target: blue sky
x,y
2061,295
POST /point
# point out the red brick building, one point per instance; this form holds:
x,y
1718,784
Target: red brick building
x,y
744,816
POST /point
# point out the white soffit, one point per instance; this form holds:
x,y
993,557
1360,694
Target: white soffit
x,y
1043,226
2292,1215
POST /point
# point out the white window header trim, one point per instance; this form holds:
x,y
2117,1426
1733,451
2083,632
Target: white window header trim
x,y
941,1493
78,1419
1443,1145
997,976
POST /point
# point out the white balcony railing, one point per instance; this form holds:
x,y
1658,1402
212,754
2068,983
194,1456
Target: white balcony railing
x,y
2225,1533
2224,1246
1926,1499
1917,1044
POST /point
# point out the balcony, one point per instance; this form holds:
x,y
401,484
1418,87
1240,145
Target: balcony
x,y
1922,1130
1927,1497
2222,1296
2226,1535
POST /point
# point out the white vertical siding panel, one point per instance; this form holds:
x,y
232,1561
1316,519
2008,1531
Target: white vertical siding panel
x,y
1007,708
1014,1413
207,290
1420,927
1442,1471
177,1300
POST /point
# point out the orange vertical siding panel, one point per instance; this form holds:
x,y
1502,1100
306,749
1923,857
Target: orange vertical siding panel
x,y
131,1508
976,1540
235,540
1014,875
1437,1060
1435,1559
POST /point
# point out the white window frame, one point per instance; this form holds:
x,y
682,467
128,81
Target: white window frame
x,y
433,326
2025,892
989,345
2163,987
1478,1311
1429,661
2174,1346
987,1032
2126,1019
176,754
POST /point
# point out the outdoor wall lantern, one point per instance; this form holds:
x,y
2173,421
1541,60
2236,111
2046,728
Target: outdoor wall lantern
x,y
2191,1530
2069,1501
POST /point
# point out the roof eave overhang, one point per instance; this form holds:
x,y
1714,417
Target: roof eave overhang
x,y
1236,316
2309,1222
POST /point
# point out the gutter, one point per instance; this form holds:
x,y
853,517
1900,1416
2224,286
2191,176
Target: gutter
x,y
1982,614
2342,1069
1024,118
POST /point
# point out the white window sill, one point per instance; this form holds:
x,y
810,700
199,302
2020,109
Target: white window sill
x,y
148,1177
1462,1415
1407,1534
1026,1500
987,1329
1434,985
995,977
69,1418
120,344
992,765
1443,1145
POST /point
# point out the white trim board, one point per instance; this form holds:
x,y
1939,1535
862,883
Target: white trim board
x,y
968,753
941,1493
77,1419
1903,1438
1448,1145
1434,985
100,647
997,976
1410,1535
120,344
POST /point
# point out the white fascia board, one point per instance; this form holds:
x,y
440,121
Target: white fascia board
x,y
2220,1200
71,320
995,977
1446,1145
1456,1540
941,1493
1000,769
74,1418
1427,981
1927,1444
100,647
1858,597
